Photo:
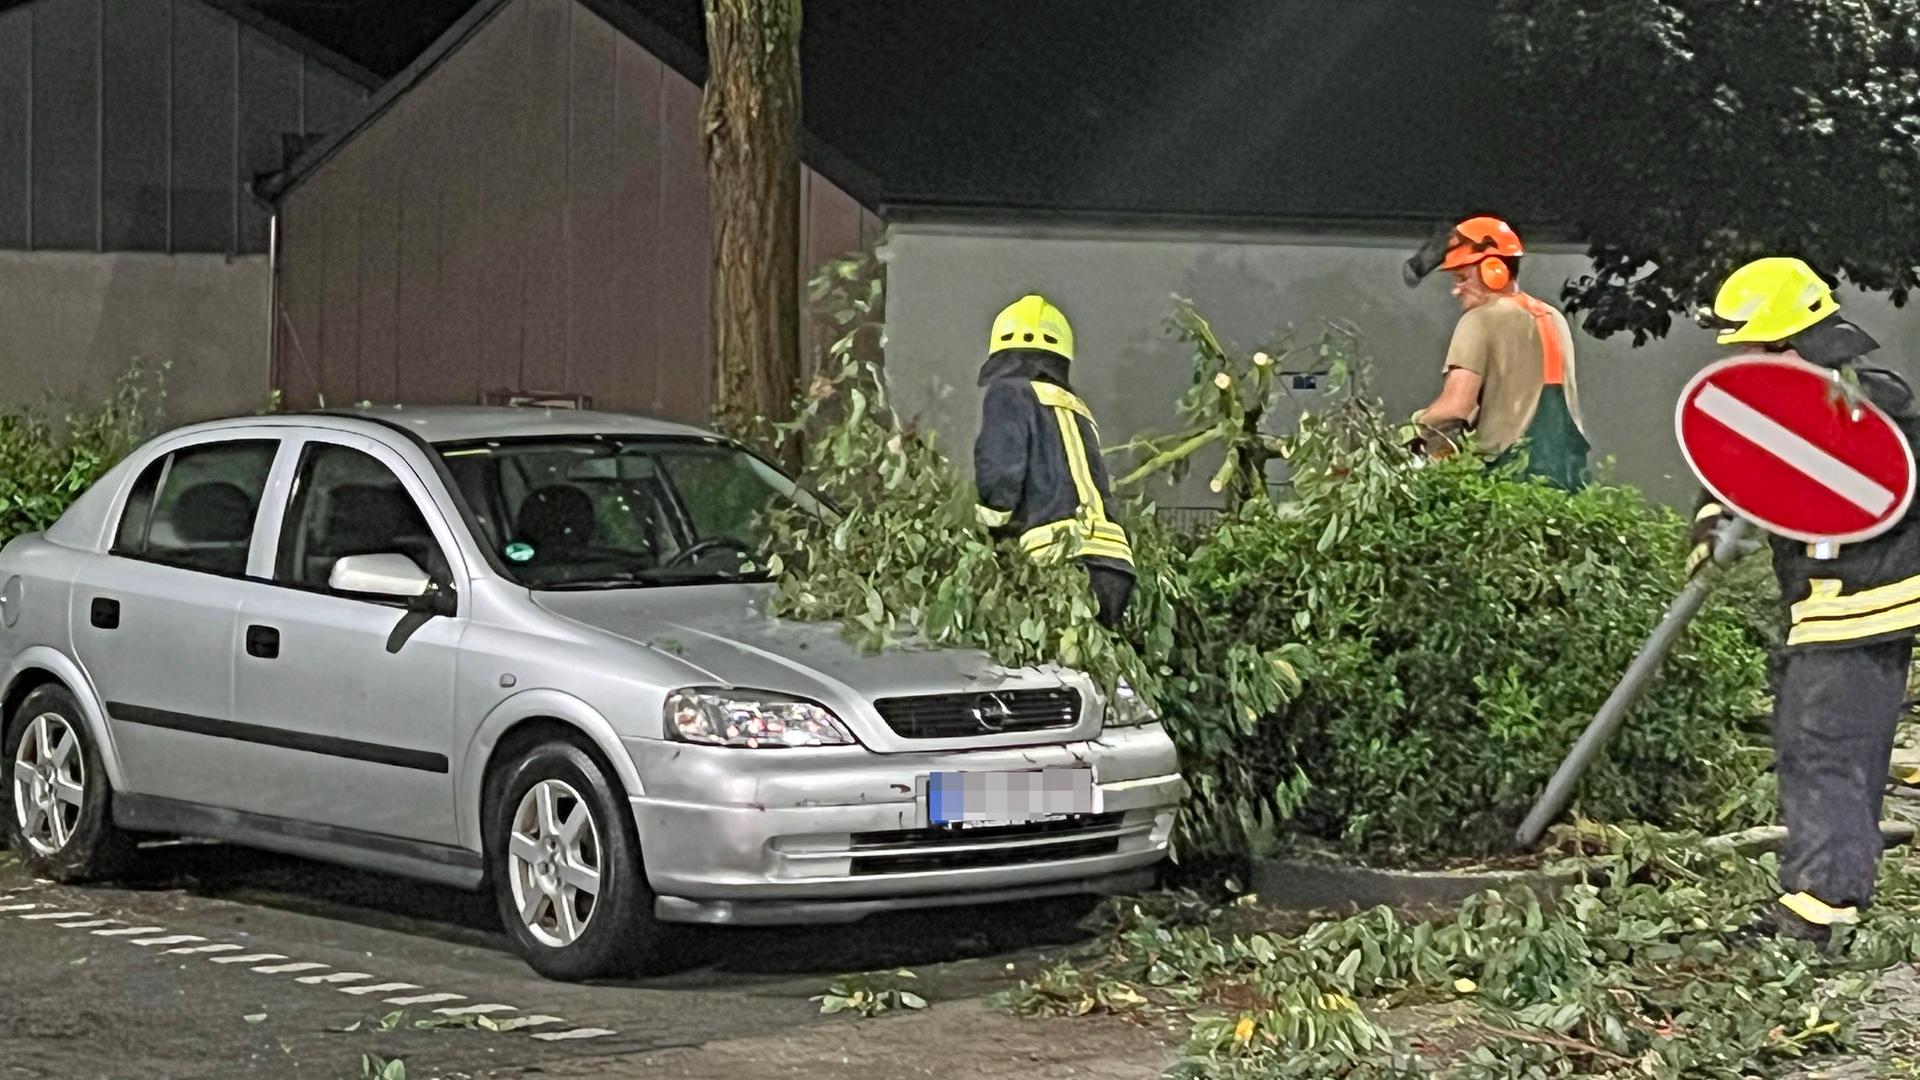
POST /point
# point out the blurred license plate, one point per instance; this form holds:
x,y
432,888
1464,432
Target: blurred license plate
x,y
979,799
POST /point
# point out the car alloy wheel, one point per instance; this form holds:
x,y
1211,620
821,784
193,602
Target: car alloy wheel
x,y
554,861
563,858
49,784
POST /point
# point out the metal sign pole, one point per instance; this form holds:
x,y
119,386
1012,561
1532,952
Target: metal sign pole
x,y
1727,548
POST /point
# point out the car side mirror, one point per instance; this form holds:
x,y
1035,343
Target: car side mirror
x,y
379,575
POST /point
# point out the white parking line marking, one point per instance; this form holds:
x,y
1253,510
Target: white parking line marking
x,y
334,977
519,1022
330,978
475,1010
426,999
378,988
576,1033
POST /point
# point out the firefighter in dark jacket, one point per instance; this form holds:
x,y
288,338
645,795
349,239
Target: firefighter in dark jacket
x,y
1037,461
1841,680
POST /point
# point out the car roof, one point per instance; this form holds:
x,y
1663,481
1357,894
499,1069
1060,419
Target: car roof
x,y
458,423
85,524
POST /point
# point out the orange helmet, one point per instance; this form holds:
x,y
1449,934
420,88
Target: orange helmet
x,y
1479,238
1475,240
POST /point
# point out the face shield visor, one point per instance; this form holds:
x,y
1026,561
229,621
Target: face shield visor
x,y
1429,256
1467,243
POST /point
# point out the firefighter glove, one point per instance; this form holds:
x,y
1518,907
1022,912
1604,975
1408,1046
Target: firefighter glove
x,y
1705,533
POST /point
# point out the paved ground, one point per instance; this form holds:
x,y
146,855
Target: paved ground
x,y
217,962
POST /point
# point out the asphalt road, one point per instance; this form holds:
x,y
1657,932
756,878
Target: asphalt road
x,y
216,962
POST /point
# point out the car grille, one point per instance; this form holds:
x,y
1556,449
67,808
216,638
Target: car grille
x,y
910,851
959,716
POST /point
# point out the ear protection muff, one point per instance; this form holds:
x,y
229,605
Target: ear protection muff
x,y
1495,274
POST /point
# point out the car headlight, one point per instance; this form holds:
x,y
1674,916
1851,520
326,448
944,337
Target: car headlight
x,y
751,719
1126,708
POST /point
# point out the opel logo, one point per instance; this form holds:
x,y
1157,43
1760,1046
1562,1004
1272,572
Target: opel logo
x,y
990,712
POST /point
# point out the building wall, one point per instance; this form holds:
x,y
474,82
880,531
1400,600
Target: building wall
x,y
530,217
946,283
70,324
137,125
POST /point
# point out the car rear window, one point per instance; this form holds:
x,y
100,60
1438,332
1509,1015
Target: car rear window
x,y
194,508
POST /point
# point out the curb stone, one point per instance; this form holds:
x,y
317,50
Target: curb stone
x,y
1315,885
1307,885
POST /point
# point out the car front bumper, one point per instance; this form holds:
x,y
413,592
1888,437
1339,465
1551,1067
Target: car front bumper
x,y
766,837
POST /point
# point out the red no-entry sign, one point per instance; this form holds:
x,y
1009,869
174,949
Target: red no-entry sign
x,y
1774,442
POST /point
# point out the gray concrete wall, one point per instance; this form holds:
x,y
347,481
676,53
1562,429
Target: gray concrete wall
x,y
70,324
946,282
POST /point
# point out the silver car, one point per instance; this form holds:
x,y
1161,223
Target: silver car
x,y
527,651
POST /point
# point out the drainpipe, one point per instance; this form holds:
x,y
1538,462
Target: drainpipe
x,y
273,303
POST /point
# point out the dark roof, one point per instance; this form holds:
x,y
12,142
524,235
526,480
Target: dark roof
x,y
1235,108
1261,109
246,14
384,36
1374,110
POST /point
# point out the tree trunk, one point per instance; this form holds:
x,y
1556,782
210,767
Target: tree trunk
x,y
750,118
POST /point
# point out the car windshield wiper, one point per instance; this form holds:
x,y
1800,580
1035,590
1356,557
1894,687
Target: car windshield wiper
x,y
708,577
624,580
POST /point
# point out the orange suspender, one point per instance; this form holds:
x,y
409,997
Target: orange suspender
x,y
1554,353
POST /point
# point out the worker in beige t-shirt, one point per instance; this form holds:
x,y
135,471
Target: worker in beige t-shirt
x,y
1509,373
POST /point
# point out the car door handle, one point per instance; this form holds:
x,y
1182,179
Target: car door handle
x,y
263,642
106,613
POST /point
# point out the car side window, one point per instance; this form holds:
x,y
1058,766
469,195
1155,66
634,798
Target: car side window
x,y
195,508
345,502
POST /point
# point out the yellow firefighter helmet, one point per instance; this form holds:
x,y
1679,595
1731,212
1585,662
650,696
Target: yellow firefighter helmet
x,y
1770,300
1031,322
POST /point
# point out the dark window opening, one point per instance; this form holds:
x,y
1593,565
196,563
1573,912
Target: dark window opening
x,y
345,502
195,508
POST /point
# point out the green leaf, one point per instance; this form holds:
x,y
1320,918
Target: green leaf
x,y
1328,537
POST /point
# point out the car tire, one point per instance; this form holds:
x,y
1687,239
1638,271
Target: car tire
x,y
58,833
555,822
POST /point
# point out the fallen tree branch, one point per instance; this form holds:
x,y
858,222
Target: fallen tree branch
x,y
1169,457
1542,1038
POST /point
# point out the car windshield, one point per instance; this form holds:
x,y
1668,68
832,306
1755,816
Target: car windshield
x,y
621,511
